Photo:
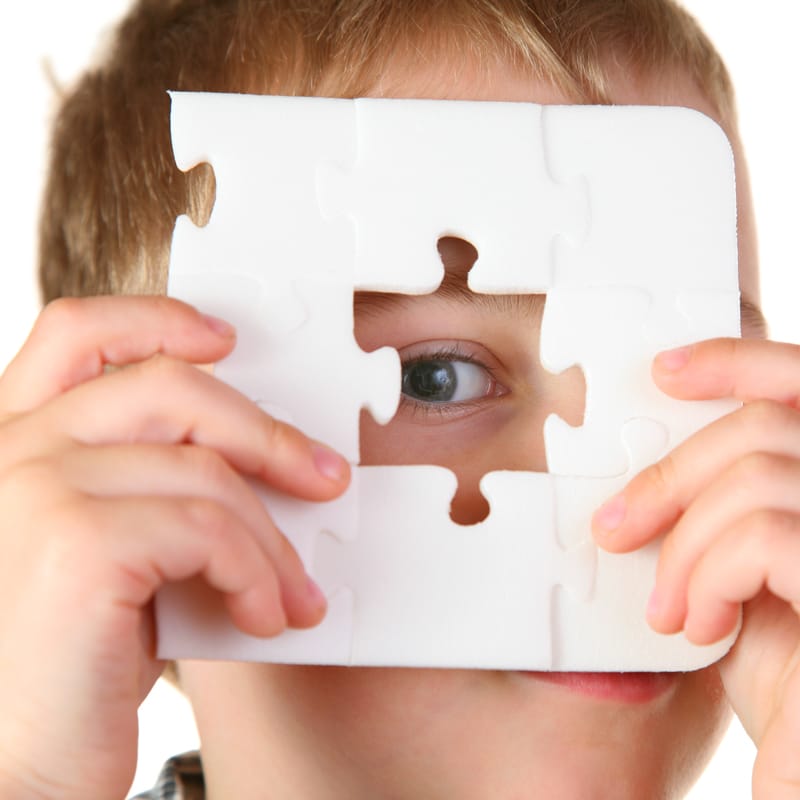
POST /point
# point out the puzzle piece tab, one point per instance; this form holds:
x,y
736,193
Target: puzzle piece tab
x,y
429,591
660,220
612,629
624,216
269,260
629,326
424,171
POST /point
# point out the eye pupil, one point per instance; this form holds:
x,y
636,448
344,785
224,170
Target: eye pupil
x,y
434,380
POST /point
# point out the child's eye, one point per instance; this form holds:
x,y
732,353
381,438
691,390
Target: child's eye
x,y
446,377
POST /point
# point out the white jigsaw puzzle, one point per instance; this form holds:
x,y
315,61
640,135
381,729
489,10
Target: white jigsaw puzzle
x,y
624,217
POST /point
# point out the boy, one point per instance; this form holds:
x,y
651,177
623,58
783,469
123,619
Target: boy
x,y
114,482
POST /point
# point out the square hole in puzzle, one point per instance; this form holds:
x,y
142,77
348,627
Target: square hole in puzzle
x,y
474,394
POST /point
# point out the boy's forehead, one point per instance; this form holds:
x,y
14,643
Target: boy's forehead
x,y
437,78
434,76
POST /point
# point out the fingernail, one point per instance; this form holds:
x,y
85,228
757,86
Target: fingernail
x,y
329,463
219,326
673,360
316,595
610,515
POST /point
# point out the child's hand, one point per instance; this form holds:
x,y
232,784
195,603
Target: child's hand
x,y
110,486
729,498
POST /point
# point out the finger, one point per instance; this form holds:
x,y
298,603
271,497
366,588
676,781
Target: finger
x,y
758,481
655,498
139,544
746,369
762,550
75,338
170,402
776,773
191,471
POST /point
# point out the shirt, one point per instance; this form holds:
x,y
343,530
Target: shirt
x,y
181,778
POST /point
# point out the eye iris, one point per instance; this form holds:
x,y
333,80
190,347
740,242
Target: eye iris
x,y
430,380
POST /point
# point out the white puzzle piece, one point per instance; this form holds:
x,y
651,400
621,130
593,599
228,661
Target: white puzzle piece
x,y
625,217
402,198
626,332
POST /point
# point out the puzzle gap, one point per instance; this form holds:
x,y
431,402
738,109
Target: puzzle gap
x,y
201,193
473,385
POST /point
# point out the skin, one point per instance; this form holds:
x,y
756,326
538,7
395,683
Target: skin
x,y
410,734
112,483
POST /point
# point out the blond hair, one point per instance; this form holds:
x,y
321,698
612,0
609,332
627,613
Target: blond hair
x,y
113,190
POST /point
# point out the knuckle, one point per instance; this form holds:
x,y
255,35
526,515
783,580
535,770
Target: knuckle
x,y
223,537
170,310
164,304
760,416
62,313
723,350
768,526
661,477
162,371
209,465
210,519
757,468
76,531
162,366
161,304
732,347
279,438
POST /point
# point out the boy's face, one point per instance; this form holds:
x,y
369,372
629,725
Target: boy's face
x,y
475,398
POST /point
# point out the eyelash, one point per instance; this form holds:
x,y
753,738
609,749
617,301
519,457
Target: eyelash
x,y
450,353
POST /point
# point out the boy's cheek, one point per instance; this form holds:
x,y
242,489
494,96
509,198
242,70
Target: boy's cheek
x,y
499,436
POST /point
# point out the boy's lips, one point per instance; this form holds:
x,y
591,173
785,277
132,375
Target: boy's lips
x,y
621,687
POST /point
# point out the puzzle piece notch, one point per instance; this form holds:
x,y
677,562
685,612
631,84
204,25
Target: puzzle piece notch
x,y
611,633
262,319
495,596
630,327
708,314
615,365
639,163
492,188
266,222
192,619
575,562
324,362
319,335
295,274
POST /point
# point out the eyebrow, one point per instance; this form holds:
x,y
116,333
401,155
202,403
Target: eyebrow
x,y
454,289
457,293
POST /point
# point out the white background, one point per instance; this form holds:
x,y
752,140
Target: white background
x,y
758,41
